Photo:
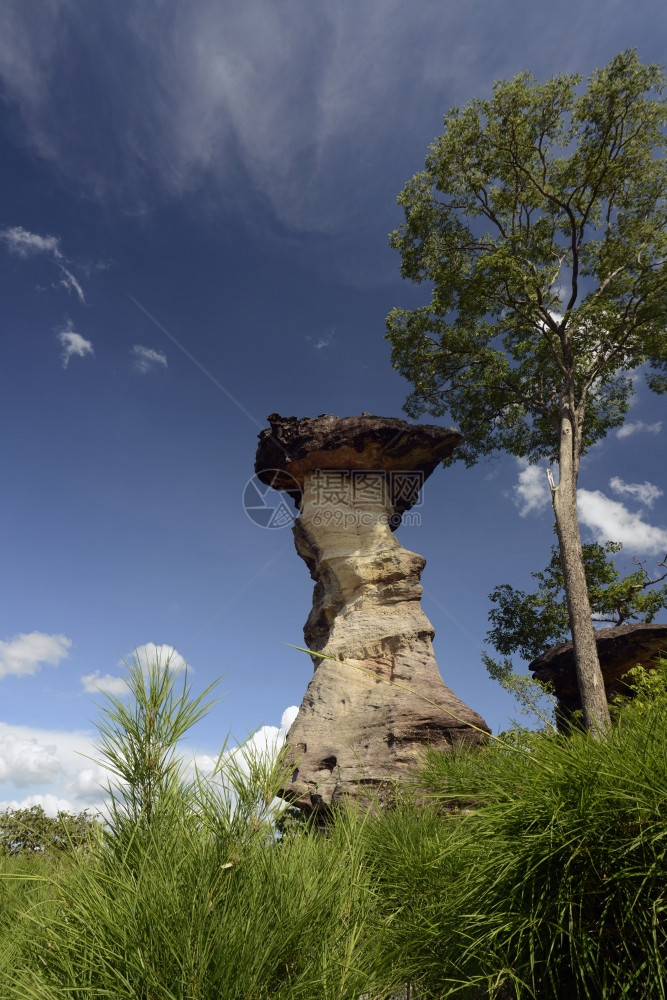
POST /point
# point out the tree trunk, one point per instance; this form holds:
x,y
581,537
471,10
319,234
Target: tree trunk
x,y
589,675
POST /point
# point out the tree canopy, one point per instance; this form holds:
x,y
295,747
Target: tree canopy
x,y
30,830
529,623
539,224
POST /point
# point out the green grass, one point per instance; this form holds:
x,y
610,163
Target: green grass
x,y
533,867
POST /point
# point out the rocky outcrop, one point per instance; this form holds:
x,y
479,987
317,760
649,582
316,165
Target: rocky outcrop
x,y
377,698
619,649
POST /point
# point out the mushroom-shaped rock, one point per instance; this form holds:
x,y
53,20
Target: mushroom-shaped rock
x,y
619,649
376,697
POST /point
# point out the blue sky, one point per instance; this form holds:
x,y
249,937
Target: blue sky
x,y
193,235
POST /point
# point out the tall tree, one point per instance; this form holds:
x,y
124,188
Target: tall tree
x,y
540,222
529,623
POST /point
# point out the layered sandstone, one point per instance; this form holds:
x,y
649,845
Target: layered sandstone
x,y
377,698
619,649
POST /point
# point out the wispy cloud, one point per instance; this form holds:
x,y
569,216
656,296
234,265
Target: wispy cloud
x,y
297,93
23,243
146,359
69,282
645,493
73,344
26,652
322,340
531,492
635,426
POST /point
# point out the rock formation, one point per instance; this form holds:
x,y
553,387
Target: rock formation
x,y
368,711
619,649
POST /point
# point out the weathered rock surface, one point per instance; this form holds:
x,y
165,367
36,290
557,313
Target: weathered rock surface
x,y
368,712
619,649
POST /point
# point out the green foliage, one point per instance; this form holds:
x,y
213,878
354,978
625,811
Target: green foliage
x,y
549,877
532,867
189,896
26,831
645,688
529,623
539,224
138,738
533,697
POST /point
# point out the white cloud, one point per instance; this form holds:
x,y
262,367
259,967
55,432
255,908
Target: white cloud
x,y
269,739
297,93
646,493
26,244
51,804
26,652
31,757
26,761
146,359
73,344
107,684
638,425
323,340
262,747
69,283
164,655
611,520
88,782
531,492
149,653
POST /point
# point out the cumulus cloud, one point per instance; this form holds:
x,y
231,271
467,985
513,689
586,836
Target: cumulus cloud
x,y
26,761
26,652
149,653
610,519
531,492
23,243
106,684
164,655
146,359
262,747
606,518
51,804
269,739
31,758
645,493
634,426
73,344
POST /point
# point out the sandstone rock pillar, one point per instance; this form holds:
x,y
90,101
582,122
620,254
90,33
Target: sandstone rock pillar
x,y
368,712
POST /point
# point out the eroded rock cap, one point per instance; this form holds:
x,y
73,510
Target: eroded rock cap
x,y
296,447
619,649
